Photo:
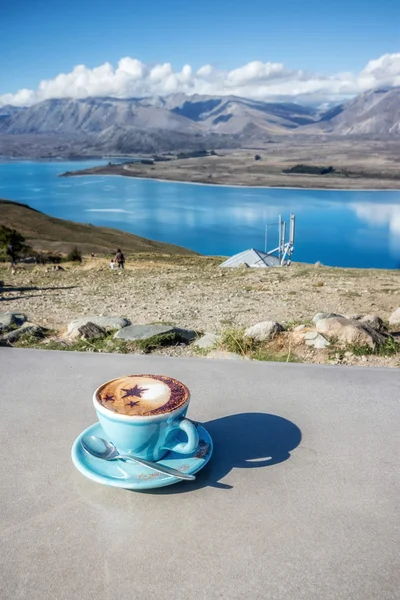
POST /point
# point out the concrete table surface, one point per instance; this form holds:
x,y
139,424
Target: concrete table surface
x,y
300,499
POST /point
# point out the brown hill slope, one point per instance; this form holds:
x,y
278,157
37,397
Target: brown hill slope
x,y
56,235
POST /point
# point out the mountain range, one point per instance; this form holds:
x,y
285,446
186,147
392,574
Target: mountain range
x,y
159,124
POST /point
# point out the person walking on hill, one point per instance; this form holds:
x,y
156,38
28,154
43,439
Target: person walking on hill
x,y
119,259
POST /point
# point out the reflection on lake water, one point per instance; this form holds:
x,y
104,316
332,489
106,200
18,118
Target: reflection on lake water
x,y
341,228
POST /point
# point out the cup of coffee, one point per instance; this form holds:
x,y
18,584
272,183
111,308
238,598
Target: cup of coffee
x,y
144,415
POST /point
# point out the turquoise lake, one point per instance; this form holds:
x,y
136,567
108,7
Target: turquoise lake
x,y
339,228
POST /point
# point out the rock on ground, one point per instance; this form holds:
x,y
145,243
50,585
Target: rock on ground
x,y
374,321
316,340
90,331
186,335
26,328
321,343
11,318
266,330
394,318
144,332
208,340
346,331
108,323
320,316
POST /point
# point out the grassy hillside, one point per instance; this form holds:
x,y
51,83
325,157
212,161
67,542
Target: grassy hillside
x,y
56,235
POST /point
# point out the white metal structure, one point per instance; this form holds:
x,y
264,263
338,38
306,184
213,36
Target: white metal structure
x,y
284,249
273,258
251,258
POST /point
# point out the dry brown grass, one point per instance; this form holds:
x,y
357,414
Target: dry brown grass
x,y
57,235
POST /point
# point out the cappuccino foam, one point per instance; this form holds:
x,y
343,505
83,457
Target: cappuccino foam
x,y
143,395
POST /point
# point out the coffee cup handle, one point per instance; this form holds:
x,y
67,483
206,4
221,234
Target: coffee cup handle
x,y
192,442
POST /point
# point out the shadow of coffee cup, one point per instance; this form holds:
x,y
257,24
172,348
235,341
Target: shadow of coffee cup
x,y
242,441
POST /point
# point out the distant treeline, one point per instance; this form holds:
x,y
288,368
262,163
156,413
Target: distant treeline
x,y
310,170
181,155
196,154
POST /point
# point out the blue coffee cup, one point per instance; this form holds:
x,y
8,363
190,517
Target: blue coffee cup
x,y
150,436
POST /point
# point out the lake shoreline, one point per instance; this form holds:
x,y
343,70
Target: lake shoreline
x,y
233,186
273,180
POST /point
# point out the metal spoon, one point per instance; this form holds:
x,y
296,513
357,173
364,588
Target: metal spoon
x,y
100,448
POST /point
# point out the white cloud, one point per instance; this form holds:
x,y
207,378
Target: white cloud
x,y
255,72
256,80
379,216
382,72
204,71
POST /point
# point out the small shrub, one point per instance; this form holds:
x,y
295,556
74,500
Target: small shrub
x,y
11,237
389,348
74,255
309,169
357,350
234,341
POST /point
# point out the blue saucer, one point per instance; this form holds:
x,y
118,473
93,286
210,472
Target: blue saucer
x,y
136,477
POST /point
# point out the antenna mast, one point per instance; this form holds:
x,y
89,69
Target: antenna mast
x,y
284,249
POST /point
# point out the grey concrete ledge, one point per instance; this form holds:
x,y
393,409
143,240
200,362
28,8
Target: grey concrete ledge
x,y
299,501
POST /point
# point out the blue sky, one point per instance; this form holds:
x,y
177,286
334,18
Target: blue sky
x,y
41,38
